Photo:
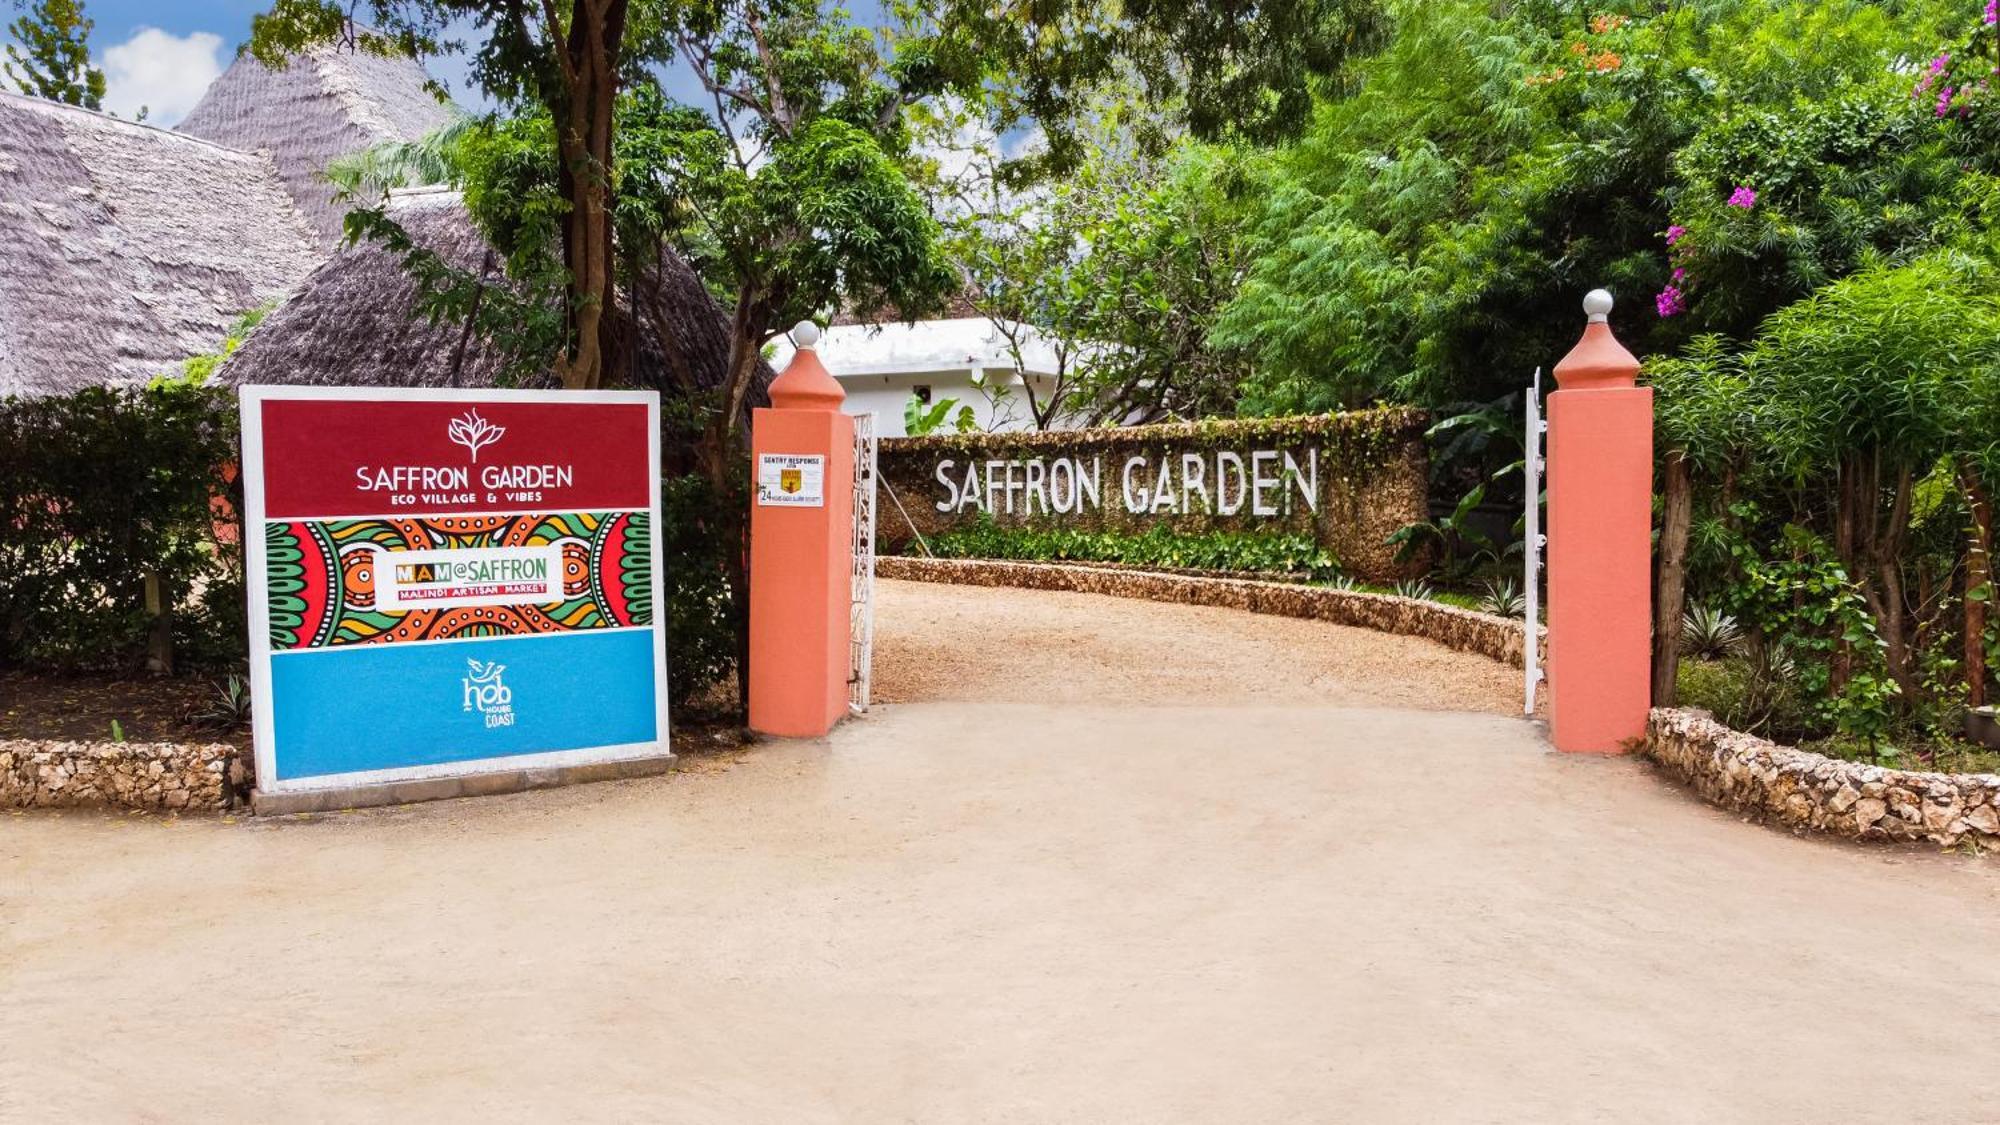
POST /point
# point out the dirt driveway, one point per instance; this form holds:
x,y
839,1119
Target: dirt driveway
x,y
996,910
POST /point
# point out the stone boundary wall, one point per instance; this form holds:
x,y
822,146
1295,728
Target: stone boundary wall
x,y
1462,630
1349,480
168,776
1805,791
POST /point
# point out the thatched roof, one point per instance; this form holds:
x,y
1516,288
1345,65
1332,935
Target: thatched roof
x,y
351,322
124,248
328,103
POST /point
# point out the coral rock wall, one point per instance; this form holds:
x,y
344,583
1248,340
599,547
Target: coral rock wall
x,y
1805,791
131,775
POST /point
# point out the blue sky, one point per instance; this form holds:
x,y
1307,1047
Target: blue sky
x,y
162,54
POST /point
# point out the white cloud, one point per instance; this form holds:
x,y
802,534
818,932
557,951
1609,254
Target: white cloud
x,y
161,71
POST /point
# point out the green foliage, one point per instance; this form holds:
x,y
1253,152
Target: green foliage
x,y
920,419
98,489
1709,634
433,158
701,628
49,56
1502,597
1120,268
1745,694
1886,362
1158,546
227,707
1415,588
1227,68
198,369
1432,231
1811,615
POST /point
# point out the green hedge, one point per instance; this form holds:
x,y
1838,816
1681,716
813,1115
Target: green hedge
x,y
97,490
1158,546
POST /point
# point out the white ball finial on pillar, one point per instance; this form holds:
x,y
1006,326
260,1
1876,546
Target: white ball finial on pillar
x,y
1597,305
805,335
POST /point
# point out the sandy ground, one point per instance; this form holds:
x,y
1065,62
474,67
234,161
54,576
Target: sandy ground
x,y
1040,646
1006,911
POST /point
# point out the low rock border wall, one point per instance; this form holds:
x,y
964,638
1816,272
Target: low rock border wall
x,y
1462,630
168,776
1805,791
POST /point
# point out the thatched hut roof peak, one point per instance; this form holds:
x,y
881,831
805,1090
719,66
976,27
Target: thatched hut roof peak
x,y
126,248
326,103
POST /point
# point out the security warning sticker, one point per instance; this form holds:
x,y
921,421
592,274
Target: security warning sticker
x,y
791,480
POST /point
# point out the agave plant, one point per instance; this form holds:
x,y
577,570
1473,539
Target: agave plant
x,y
1503,598
227,708
1709,634
1415,588
1346,582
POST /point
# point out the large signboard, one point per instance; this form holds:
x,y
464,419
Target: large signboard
x,y
1348,481
448,582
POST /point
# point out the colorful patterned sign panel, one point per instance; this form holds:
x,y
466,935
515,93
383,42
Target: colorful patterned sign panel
x,y
446,582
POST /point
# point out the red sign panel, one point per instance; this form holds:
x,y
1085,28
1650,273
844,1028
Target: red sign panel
x,y
354,457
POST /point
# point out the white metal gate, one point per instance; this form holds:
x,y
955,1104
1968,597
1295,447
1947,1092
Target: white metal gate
x,y
1533,541
861,614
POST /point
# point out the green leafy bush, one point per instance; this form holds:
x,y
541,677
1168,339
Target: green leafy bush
x,y
97,490
1159,546
701,627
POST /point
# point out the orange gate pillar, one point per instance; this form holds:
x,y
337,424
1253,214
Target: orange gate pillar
x,y
1600,542
801,549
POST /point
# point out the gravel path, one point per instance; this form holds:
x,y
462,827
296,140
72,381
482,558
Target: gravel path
x,y
1020,912
992,644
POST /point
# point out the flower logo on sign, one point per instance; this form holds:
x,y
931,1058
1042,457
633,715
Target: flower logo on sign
x,y
474,433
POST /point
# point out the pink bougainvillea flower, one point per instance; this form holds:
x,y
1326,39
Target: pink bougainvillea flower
x,y
1674,233
1680,274
1993,11
1744,197
1944,101
1938,64
1670,301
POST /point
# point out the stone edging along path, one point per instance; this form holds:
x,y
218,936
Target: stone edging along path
x,y
1805,791
1784,785
1462,630
168,776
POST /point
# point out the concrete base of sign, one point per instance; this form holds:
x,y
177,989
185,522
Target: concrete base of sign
x,y
440,788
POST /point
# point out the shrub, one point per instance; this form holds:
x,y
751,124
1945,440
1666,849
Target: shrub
x,y
1158,546
701,627
98,490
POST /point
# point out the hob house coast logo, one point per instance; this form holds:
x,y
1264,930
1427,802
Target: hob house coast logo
x,y
486,694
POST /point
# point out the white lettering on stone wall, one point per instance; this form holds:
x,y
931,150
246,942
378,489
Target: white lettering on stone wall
x,y
1221,483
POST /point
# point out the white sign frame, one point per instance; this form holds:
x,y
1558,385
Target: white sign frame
x,y
250,400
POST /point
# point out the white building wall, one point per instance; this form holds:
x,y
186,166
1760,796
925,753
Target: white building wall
x,y
880,366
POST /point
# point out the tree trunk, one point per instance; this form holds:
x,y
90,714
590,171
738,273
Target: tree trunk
x,y
1886,600
585,118
724,452
1848,489
1677,516
1978,583
160,633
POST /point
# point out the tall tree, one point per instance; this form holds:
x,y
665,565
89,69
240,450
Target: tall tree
x,y
1230,68
566,57
50,55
